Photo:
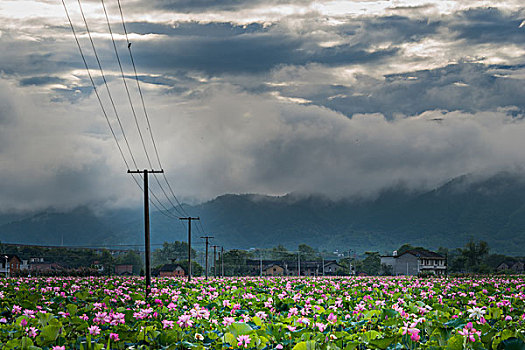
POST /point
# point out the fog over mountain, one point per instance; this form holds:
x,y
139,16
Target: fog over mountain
x,y
339,98
466,208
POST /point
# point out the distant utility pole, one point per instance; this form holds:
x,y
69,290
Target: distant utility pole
x,y
189,218
260,263
323,264
222,261
6,266
215,260
299,264
145,173
207,238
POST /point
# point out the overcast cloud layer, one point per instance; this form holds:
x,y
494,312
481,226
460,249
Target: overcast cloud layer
x,y
342,98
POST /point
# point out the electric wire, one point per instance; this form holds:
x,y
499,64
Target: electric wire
x,y
106,84
166,211
131,105
104,112
113,104
145,110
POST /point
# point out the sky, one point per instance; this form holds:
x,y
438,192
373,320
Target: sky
x,y
339,98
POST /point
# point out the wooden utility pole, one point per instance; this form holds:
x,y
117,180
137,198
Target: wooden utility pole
x,y
189,243
207,238
145,173
260,263
215,260
299,263
222,261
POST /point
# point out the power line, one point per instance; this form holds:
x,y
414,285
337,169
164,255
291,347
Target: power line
x,y
93,84
103,109
146,112
106,84
166,211
125,84
133,108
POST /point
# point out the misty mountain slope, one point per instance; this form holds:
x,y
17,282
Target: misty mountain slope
x,y
491,209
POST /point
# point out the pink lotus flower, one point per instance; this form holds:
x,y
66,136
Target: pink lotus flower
x,y
167,324
228,321
412,330
32,332
185,321
94,330
332,318
469,332
114,336
243,340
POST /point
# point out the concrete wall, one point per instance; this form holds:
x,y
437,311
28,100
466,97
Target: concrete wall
x,y
406,264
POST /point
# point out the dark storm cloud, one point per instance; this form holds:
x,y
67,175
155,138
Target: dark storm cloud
x,y
488,25
397,29
41,80
468,87
220,5
249,53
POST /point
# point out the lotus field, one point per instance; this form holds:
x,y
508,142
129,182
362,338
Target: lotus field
x,y
263,313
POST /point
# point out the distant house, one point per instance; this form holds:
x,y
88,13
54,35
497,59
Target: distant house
x,y
10,263
311,268
42,266
511,266
273,270
172,270
388,260
518,267
331,268
124,269
416,261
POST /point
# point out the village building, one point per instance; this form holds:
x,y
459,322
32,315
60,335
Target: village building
x,y
511,266
415,262
332,268
124,269
172,270
273,270
10,264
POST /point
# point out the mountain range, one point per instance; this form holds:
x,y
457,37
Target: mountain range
x,y
490,209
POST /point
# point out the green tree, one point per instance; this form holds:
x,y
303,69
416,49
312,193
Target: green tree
x,y
281,253
473,254
235,262
308,253
372,264
176,250
108,261
196,269
406,247
132,258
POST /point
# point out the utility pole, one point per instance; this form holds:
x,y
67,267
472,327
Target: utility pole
x,y
350,262
323,264
222,261
189,218
145,173
260,262
215,260
299,263
207,238
6,266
